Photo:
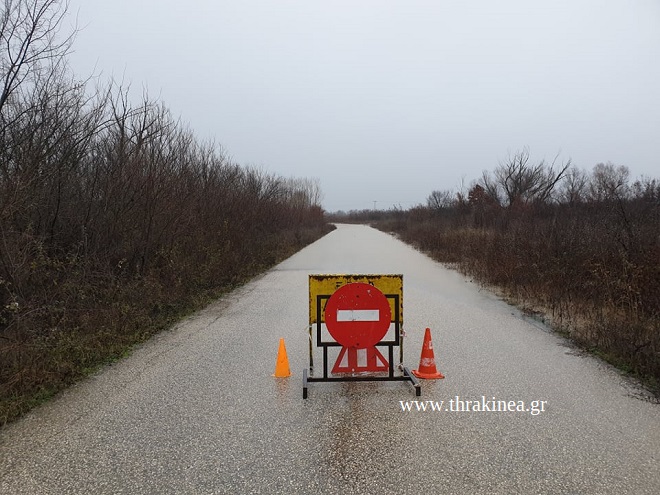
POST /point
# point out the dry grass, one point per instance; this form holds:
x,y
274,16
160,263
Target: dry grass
x,y
591,275
79,322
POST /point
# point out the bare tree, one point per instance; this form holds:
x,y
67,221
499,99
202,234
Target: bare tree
x,y
490,187
30,44
312,188
574,186
516,180
439,200
608,182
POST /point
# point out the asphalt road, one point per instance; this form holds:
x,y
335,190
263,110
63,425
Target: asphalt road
x,y
198,411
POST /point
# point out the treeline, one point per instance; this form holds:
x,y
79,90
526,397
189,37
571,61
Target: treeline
x,y
580,248
114,219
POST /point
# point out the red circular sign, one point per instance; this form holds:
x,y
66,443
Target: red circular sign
x,y
358,315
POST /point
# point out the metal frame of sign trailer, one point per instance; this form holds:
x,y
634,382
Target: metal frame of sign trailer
x,y
390,344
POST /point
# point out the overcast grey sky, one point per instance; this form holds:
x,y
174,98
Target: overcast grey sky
x,y
385,100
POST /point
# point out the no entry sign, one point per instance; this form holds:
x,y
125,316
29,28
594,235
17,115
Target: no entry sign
x,y
358,315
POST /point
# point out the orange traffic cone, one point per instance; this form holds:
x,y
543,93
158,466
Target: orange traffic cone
x,y
282,369
427,367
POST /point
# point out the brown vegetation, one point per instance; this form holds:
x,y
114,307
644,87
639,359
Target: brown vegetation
x,y
582,249
114,219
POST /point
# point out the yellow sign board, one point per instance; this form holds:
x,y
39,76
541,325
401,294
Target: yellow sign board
x,y
321,287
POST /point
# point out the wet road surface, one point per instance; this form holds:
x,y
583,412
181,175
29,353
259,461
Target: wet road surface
x,y
196,410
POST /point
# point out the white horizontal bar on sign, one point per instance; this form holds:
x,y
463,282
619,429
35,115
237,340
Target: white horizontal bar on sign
x,y
358,315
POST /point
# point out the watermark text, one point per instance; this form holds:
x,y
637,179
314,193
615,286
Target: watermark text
x,y
483,404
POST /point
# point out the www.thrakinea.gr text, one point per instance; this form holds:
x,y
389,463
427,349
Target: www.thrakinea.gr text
x,y
482,404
